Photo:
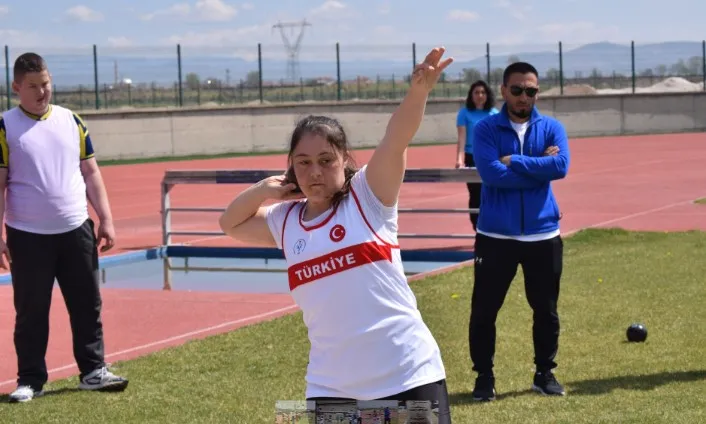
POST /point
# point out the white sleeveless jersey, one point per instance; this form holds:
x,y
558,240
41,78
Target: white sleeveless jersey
x,y
368,339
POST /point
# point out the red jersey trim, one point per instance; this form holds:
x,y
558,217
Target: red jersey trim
x,y
338,261
360,209
320,224
284,225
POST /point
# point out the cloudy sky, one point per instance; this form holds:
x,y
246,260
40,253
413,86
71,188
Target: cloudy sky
x,y
195,23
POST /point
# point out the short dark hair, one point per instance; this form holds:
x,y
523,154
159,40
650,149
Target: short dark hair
x,y
519,68
28,63
489,96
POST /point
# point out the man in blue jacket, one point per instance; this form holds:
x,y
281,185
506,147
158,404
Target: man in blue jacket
x,y
518,152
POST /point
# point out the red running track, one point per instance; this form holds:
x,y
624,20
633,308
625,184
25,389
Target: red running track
x,y
637,183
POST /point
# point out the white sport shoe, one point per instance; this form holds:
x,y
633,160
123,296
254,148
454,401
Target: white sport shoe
x,y
102,379
24,394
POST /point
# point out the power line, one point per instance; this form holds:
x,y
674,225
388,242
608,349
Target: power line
x,y
292,46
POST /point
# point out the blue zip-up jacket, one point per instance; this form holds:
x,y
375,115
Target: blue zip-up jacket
x,y
518,199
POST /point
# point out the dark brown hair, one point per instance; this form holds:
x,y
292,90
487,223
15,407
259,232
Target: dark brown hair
x,y
332,130
28,63
489,96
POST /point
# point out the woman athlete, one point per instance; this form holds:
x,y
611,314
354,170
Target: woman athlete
x,y
337,228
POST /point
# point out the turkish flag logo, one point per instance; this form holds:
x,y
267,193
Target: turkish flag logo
x,y
338,232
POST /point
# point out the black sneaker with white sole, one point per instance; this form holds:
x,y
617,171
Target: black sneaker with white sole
x,y
547,384
484,389
103,380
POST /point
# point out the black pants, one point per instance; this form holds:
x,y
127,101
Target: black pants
x,y
495,267
37,259
436,392
474,190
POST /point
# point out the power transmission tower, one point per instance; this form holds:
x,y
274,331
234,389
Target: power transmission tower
x,y
292,47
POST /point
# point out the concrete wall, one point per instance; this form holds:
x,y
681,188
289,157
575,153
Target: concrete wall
x,y
178,132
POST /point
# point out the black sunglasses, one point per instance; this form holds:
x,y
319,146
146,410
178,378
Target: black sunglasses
x,y
517,91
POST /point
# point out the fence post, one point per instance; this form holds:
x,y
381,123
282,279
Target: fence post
x,y
95,77
561,69
338,72
632,56
181,87
703,63
259,71
487,62
414,56
7,77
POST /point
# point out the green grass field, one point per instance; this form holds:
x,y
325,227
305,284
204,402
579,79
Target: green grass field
x,y
612,278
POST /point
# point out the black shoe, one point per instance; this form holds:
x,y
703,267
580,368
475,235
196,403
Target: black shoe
x,y
547,384
485,388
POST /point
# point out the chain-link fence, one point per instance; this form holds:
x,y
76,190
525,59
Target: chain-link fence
x,y
115,78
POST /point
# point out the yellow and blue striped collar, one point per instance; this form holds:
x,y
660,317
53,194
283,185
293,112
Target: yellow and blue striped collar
x,y
37,117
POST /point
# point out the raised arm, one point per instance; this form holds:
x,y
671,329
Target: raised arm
x,y
546,168
491,170
386,168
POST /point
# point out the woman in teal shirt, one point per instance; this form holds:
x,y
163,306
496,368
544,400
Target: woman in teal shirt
x,y
480,103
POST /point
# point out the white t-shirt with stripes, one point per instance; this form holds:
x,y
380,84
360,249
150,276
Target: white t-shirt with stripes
x,y
46,192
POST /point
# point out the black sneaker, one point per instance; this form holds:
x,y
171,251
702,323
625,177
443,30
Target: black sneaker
x,y
485,388
547,384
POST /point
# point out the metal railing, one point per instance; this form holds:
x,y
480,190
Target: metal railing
x,y
176,177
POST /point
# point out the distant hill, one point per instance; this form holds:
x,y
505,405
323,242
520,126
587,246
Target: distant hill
x,y
604,57
140,68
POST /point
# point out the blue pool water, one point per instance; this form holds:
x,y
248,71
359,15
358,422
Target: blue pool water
x,y
265,276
